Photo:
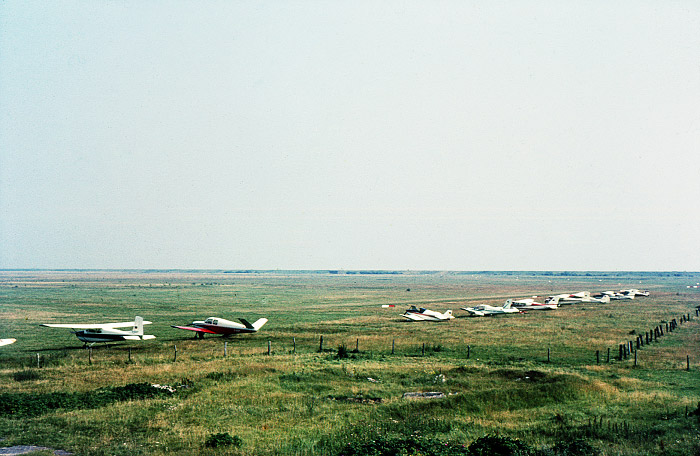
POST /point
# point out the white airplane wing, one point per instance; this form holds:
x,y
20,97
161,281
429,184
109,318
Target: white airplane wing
x,y
7,341
93,325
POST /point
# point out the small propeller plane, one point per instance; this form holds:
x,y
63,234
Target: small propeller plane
x,y
531,304
215,325
106,332
7,341
485,310
423,314
582,296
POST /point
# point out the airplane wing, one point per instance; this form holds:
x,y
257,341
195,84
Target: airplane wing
x,y
93,325
473,312
191,328
7,341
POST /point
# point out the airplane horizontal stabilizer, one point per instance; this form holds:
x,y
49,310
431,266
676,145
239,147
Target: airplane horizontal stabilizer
x,y
132,338
190,328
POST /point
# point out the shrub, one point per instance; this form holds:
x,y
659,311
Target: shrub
x,y
403,446
342,352
222,439
576,447
26,405
494,445
27,374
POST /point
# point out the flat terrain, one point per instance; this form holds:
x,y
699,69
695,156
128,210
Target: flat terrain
x,y
533,376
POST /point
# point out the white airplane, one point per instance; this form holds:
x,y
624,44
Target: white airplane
x,y
485,310
635,292
423,314
7,341
582,296
531,304
615,295
214,325
107,332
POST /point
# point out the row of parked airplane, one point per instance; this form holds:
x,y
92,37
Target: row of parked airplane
x,y
92,333
526,304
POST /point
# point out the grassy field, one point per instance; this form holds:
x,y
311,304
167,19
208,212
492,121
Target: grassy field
x,y
301,401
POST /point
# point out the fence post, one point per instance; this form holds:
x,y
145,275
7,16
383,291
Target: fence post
x,y
547,354
635,357
687,362
423,350
269,347
597,356
225,349
294,345
357,345
129,354
38,362
393,341
89,357
320,345
608,355
469,349
175,353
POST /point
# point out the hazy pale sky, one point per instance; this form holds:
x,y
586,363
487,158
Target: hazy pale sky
x,y
460,135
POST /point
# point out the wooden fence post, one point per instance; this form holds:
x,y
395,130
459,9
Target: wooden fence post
x,y
89,357
225,349
393,341
547,354
469,349
129,354
357,345
687,362
320,345
269,347
597,356
423,350
294,345
175,353
608,361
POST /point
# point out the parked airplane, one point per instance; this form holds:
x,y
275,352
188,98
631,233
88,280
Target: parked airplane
x,y
107,332
423,314
485,310
214,325
635,292
531,304
582,296
614,295
7,341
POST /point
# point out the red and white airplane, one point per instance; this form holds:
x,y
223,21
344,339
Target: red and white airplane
x,y
106,332
215,325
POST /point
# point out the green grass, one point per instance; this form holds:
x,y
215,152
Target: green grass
x,y
312,402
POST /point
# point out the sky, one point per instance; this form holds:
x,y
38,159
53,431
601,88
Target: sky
x,y
410,135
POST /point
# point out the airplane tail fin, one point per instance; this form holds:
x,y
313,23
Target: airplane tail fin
x,y
554,301
255,326
508,304
605,299
138,326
